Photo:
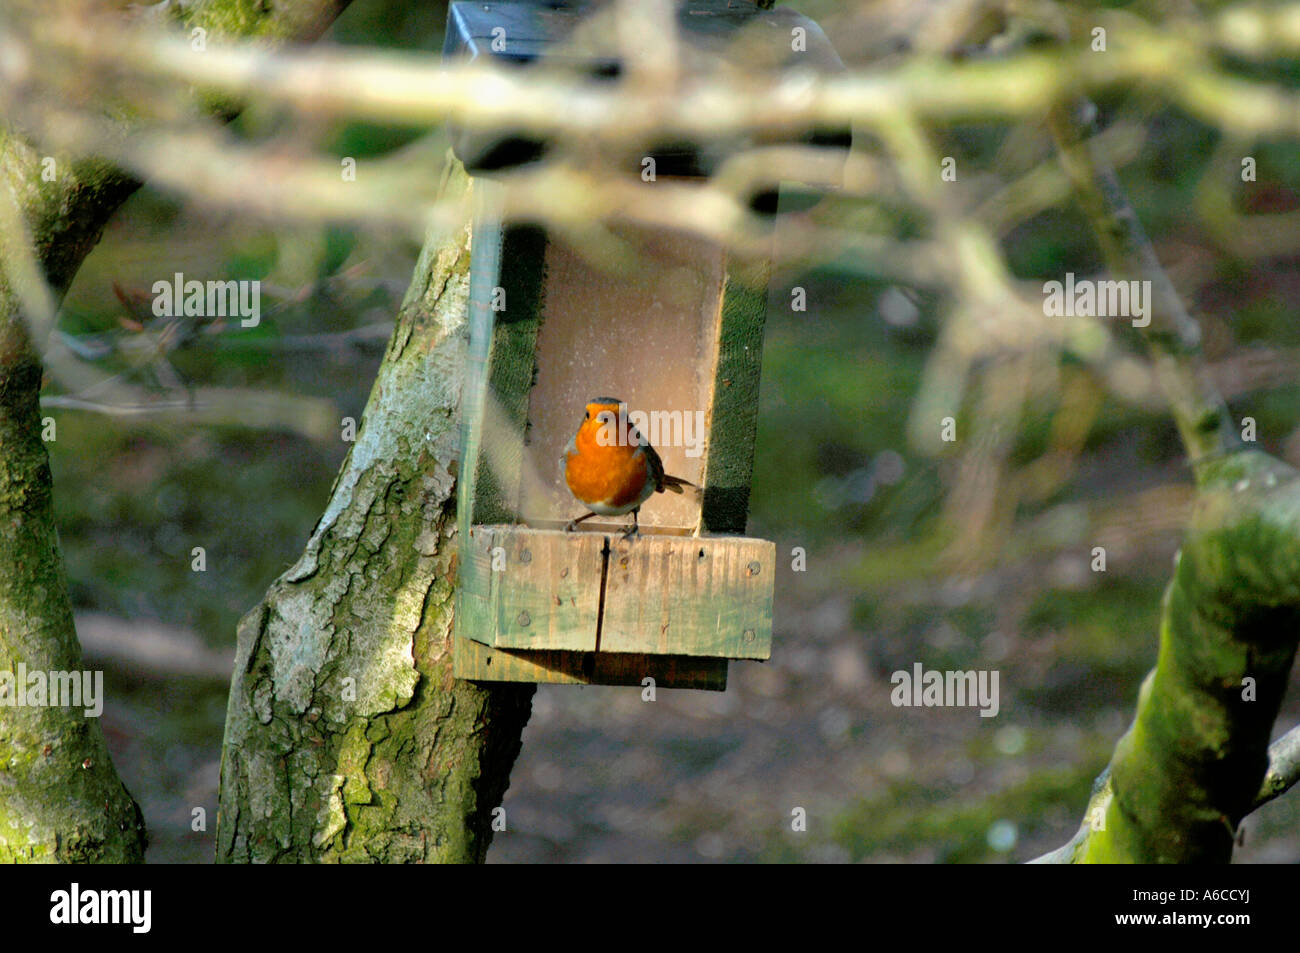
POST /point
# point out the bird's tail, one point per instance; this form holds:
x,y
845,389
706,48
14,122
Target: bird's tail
x,y
676,483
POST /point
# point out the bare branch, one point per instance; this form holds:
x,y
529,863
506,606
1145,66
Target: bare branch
x,y
1283,768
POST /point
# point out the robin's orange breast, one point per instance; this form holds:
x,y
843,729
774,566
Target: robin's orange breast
x,y
609,477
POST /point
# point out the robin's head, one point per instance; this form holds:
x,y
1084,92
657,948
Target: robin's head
x,y
604,411
603,423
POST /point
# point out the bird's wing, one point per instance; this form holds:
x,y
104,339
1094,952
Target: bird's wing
x,y
569,451
656,466
644,447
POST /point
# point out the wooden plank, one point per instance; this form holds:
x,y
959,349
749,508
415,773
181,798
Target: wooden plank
x,y
669,612
508,263
530,589
706,596
475,618
733,419
546,590
479,662
498,375
485,266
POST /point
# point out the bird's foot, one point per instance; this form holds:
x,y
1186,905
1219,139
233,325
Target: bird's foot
x,y
632,531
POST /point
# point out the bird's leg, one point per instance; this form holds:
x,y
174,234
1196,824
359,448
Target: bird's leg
x,y
635,530
573,524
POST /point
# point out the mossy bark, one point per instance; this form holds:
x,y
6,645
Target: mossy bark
x,y
60,798
347,738
1191,766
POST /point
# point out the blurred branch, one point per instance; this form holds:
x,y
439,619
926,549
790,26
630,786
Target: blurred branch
x,y
993,322
709,106
1173,336
1174,59
368,337
136,645
1047,186
1257,30
50,222
97,347
1259,235
572,197
315,418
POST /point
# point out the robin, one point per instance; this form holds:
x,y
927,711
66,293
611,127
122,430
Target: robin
x,y
610,476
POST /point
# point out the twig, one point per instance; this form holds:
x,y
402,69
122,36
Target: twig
x,y
1283,768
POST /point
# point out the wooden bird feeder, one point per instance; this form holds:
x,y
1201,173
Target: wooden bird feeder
x,y
677,335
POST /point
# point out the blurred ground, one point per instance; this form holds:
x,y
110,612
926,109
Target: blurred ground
x,y
605,776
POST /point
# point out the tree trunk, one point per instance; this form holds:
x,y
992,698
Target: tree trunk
x,y
347,738
60,798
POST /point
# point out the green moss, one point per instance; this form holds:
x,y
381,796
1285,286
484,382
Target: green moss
x,y
1189,768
